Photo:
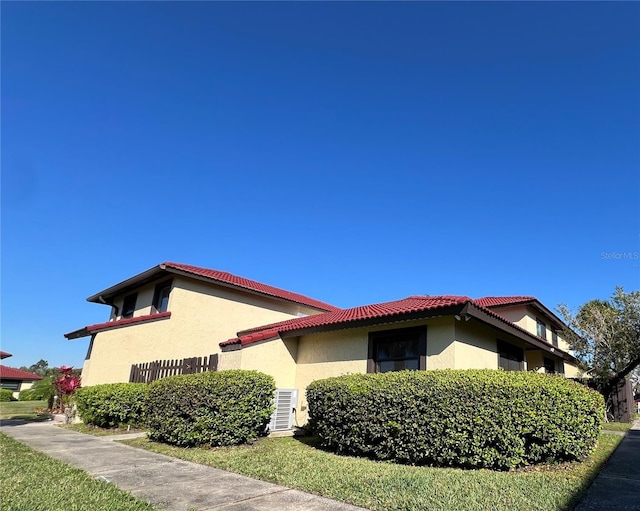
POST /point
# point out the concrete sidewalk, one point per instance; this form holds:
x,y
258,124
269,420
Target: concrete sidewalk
x,y
176,485
168,483
617,487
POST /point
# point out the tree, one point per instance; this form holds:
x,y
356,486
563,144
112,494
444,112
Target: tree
x,y
605,337
41,368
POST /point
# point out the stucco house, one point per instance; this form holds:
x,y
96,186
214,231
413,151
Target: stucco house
x,y
174,310
14,379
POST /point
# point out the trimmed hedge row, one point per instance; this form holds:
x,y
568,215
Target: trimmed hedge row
x,y
112,404
470,419
211,408
5,395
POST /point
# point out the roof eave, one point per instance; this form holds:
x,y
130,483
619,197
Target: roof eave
x,y
449,310
480,314
77,334
129,284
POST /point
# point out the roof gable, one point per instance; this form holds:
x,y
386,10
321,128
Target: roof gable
x,y
208,275
495,302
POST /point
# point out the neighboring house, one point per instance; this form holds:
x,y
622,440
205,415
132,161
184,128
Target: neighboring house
x,y
15,379
173,311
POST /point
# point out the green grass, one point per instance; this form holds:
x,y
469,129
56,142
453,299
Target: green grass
x,y
96,431
299,463
617,426
21,409
32,481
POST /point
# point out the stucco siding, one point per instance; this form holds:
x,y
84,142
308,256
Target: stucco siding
x,y
571,371
275,357
328,354
535,361
476,346
202,316
441,352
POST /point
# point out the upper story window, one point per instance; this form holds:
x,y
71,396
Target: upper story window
x,y
541,328
510,357
396,350
554,338
161,296
129,305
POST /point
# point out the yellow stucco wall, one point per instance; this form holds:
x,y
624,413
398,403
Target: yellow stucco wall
x,y
535,361
202,316
276,357
476,346
571,371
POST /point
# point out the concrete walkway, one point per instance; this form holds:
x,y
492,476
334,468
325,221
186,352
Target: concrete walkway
x,y
168,483
176,485
617,487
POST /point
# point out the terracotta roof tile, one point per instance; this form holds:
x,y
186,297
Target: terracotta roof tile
x,y
345,317
98,327
496,301
4,354
252,285
11,373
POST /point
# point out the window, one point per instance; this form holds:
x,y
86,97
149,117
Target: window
x,y
129,305
549,366
396,350
541,329
510,357
10,385
161,296
554,338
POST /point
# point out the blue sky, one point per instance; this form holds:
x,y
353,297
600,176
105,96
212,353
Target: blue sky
x,y
354,152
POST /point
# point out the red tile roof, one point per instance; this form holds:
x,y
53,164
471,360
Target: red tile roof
x,y
99,327
252,285
4,354
10,373
390,311
347,317
496,301
214,276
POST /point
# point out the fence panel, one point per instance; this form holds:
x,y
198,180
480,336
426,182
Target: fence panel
x,y
147,372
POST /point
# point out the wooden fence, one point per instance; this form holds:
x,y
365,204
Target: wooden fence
x,y
147,372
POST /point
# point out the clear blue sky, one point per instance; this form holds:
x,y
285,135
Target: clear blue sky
x,y
354,152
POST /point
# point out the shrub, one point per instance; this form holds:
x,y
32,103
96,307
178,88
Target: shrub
x,y
6,395
471,419
112,404
27,395
44,389
211,408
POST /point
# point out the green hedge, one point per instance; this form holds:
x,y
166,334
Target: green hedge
x,y
212,408
6,395
112,404
471,419
28,395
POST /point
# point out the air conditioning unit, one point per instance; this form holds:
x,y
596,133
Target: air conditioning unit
x,y
285,402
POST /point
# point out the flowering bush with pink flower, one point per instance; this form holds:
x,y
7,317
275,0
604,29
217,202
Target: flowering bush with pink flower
x,y
66,385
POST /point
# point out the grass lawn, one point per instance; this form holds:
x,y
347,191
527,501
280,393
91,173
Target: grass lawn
x,y
299,463
617,426
22,410
96,431
32,481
